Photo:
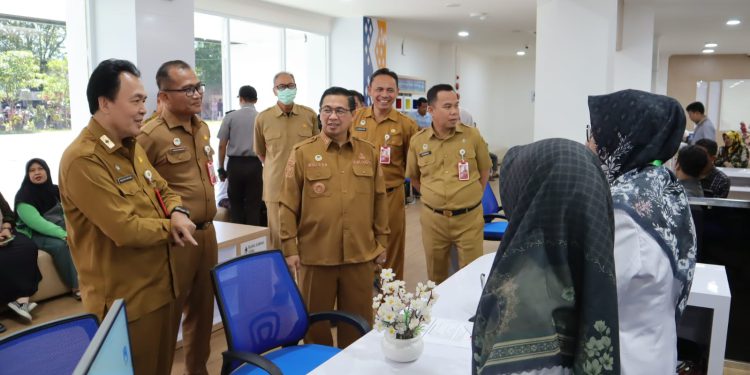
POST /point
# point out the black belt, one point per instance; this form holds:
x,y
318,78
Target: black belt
x,y
449,213
243,157
203,225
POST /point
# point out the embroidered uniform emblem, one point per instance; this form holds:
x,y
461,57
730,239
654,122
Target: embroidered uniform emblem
x,y
319,188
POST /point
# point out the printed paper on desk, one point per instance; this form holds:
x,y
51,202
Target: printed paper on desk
x,y
254,246
449,332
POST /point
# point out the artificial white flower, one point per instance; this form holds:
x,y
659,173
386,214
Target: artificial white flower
x,y
430,284
387,274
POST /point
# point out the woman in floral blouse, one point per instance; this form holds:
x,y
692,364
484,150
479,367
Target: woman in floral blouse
x,y
734,154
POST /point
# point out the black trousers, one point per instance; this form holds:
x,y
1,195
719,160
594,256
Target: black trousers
x,y
245,190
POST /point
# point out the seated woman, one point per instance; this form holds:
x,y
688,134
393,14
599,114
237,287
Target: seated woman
x,y
40,217
550,302
734,154
19,273
633,132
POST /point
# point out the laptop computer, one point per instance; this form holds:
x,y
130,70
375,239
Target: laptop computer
x,y
109,351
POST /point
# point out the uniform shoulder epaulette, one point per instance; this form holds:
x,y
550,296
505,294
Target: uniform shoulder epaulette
x,y
228,112
365,142
266,110
422,130
304,107
306,141
152,124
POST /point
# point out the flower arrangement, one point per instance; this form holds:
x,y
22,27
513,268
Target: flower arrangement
x,y
402,314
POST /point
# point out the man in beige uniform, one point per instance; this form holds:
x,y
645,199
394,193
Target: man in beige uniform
x,y
121,217
277,129
390,131
333,218
449,164
177,145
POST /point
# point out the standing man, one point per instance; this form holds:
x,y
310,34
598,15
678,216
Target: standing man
x,y
177,145
423,119
334,221
245,188
121,217
704,128
390,131
277,129
450,165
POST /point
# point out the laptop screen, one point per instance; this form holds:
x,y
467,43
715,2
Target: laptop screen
x,y
109,350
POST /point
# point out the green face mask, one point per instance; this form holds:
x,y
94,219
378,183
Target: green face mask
x,y
286,96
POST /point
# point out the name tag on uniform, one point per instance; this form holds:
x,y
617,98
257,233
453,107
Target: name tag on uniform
x,y
425,153
177,149
360,129
124,179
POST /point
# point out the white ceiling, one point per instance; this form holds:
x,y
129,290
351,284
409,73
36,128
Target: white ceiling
x,y
682,26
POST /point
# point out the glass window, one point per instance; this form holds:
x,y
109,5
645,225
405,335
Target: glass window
x,y
306,58
208,63
255,57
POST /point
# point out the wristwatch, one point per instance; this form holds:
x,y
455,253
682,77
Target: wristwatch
x,y
181,209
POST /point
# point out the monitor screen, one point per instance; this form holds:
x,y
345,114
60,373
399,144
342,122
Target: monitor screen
x,y
109,350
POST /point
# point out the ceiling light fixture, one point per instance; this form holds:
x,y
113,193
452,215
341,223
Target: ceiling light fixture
x,y
708,51
480,15
711,45
463,34
733,22
521,53
452,5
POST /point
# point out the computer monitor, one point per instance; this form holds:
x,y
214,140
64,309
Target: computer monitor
x,y
109,351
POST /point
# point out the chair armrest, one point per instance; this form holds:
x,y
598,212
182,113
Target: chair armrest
x,y
494,216
340,316
251,358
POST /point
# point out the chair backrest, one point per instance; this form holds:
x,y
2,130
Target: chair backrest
x,y
489,202
260,305
50,348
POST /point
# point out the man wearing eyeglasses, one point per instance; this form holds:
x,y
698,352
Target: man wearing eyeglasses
x,y
177,144
334,218
277,129
390,131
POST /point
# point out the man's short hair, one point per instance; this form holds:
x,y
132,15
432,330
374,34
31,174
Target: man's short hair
x,y
358,95
709,145
432,93
418,102
281,74
692,160
384,72
335,90
105,81
248,93
696,107
162,74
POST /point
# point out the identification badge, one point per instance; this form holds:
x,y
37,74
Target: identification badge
x,y
385,154
211,172
463,170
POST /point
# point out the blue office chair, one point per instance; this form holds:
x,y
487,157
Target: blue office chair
x,y
262,309
493,230
50,348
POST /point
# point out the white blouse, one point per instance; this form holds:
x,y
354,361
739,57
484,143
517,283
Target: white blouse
x,y
647,294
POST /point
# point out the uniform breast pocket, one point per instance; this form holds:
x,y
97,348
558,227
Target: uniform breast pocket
x,y
178,157
128,188
305,131
395,139
364,179
425,160
318,182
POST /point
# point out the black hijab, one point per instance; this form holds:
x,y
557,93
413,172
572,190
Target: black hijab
x,y
551,296
41,196
633,129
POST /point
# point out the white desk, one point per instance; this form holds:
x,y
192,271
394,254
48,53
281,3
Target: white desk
x,y
738,176
458,298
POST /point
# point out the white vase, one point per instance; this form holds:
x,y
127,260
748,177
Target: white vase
x,y
402,350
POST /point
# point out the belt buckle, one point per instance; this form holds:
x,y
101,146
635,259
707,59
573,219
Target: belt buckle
x,y
447,213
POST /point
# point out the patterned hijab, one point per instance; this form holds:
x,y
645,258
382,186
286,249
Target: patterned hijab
x,y
551,298
632,129
737,144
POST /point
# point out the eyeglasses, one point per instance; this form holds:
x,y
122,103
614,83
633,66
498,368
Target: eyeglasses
x,y
189,91
287,86
340,111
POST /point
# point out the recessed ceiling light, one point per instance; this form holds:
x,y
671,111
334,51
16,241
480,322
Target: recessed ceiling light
x,y
463,34
708,50
452,5
733,22
711,45
521,53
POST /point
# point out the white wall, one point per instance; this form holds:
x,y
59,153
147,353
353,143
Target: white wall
x,y
267,13
346,44
419,58
633,63
661,70
512,121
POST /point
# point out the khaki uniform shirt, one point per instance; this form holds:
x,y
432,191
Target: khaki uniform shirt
x,y
435,162
275,134
117,231
180,153
399,127
333,203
